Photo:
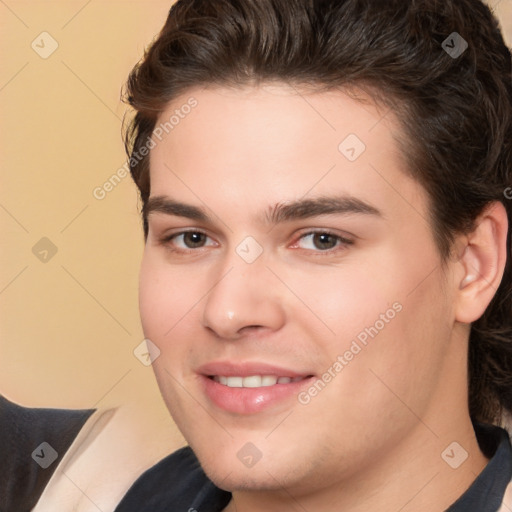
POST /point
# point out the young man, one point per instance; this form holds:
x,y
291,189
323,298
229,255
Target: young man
x,y
326,279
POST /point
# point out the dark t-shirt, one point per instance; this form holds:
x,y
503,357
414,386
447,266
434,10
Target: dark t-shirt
x,y
178,482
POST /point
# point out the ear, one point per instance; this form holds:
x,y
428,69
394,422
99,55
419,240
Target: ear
x,y
482,263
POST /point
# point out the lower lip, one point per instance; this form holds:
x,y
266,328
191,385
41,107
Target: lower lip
x,y
250,400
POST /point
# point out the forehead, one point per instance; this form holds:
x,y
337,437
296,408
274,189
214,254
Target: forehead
x,y
256,146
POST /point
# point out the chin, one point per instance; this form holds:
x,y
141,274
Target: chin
x,y
226,471
245,479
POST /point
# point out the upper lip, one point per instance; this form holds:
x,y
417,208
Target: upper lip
x,y
247,369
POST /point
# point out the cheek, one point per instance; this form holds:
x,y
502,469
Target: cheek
x,y
166,298
152,302
337,304
405,358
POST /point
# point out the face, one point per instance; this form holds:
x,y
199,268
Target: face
x,y
291,282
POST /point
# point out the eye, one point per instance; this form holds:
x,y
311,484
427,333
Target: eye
x,y
187,240
322,241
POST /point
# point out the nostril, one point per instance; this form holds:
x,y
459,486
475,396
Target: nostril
x,y
251,328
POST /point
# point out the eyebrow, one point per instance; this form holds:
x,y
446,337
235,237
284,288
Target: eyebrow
x,y
281,212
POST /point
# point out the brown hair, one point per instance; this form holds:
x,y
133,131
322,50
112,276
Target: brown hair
x,y
455,110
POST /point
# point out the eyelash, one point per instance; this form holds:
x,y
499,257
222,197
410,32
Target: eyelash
x,y
342,241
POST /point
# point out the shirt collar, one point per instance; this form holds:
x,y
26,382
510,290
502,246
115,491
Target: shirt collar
x,y
486,493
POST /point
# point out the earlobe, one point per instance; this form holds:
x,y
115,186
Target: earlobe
x,y
483,262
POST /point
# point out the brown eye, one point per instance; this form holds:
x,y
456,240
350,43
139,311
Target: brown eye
x,y
187,240
324,241
193,240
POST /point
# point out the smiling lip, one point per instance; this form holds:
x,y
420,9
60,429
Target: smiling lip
x,y
249,400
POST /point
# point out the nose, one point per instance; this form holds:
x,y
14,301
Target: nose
x,y
243,299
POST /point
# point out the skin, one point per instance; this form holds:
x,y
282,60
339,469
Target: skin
x,y
373,437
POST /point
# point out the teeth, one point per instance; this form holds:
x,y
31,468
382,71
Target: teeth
x,y
268,380
254,381
235,382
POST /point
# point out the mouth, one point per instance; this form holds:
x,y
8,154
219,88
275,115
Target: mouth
x,y
249,388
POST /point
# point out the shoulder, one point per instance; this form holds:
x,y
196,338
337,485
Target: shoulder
x,y
33,442
114,447
94,458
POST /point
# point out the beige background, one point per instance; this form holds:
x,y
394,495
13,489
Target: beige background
x,y
68,326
